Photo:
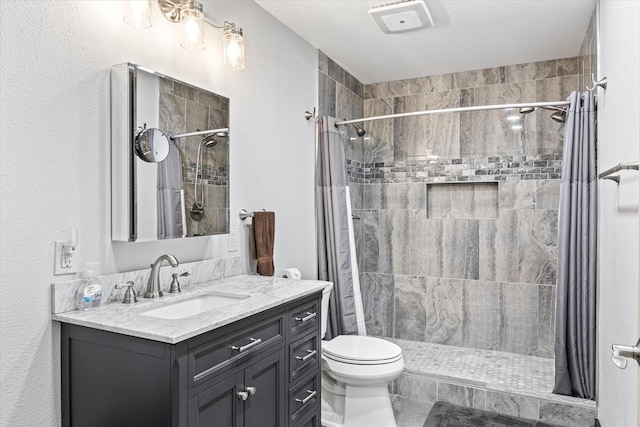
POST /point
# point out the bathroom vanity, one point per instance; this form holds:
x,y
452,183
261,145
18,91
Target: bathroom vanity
x,y
252,362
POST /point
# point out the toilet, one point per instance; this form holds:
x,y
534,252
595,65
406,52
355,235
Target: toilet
x,y
356,372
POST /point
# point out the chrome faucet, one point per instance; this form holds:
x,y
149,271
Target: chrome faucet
x,y
153,286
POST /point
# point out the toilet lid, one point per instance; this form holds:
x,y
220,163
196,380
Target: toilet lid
x,y
355,348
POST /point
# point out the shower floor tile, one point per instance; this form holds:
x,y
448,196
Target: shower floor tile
x,y
529,376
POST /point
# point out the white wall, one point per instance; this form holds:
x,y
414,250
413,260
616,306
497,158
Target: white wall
x,y
618,141
54,155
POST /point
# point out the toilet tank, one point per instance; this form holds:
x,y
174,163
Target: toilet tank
x,y
324,312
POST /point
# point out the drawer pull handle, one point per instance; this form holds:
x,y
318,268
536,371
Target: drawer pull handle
x,y
310,354
243,395
254,342
311,395
308,317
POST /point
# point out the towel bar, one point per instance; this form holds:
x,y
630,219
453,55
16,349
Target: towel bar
x,y
244,214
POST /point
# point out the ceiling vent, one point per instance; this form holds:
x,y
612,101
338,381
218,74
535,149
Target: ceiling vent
x,y
401,16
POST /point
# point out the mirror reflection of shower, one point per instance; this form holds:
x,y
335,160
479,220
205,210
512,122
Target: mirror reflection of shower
x,y
208,141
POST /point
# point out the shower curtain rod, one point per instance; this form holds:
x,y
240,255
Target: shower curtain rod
x,y
458,110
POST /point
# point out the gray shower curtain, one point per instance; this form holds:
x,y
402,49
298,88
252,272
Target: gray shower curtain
x,y
575,334
170,195
332,228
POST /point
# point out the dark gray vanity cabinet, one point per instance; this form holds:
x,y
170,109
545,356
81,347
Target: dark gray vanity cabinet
x,y
260,371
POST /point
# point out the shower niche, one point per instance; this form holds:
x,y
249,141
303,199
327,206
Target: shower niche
x,y
167,183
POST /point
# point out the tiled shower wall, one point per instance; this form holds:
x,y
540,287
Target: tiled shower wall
x,y
458,212
183,109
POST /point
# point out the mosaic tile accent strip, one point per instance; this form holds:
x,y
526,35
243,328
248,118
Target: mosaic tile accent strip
x,y
499,168
212,175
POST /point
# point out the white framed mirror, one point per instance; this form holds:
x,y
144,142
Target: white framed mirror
x,y
165,184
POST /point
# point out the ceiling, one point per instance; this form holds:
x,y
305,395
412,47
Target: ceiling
x,y
467,34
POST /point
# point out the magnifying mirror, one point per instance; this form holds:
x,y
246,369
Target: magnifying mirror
x,y
152,145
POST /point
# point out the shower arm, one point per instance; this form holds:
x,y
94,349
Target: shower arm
x,y
458,110
201,132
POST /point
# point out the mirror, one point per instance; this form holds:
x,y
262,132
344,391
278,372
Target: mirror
x,y
169,177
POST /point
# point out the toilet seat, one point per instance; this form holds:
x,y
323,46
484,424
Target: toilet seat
x,y
361,350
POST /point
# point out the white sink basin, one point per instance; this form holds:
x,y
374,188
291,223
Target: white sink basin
x,y
193,306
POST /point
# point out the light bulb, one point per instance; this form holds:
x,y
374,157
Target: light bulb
x,y
137,13
193,28
233,47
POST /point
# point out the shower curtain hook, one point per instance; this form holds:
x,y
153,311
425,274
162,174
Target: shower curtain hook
x,y
602,83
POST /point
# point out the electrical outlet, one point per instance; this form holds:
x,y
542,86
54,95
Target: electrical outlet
x,y
64,263
233,240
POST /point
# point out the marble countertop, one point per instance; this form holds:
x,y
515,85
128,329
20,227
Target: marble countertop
x,y
264,293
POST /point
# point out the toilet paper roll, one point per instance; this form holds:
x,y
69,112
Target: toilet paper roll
x,y
290,273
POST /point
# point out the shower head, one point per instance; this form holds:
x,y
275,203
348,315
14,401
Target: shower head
x,y
212,139
559,114
360,131
526,110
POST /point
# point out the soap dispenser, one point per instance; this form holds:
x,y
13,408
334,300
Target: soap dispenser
x,y
89,294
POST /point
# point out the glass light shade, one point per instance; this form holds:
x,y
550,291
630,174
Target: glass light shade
x,y
137,13
193,28
233,47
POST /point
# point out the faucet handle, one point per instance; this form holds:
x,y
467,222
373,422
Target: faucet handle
x,y
130,294
175,285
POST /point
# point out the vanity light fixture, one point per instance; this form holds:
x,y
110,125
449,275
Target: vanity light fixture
x,y
189,13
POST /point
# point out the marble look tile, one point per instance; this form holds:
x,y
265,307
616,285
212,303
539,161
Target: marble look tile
x,y
548,193
218,118
377,296
444,311
358,234
410,412
323,61
379,146
546,321
492,133
326,95
566,66
410,310
506,247
474,200
487,232
549,133
480,328
371,91
353,84
519,318
356,192
392,89
537,246
371,240
426,245
403,196
492,76
464,396
373,196
512,404
437,83
172,113
197,116
558,413
464,79
460,248
209,99
335,71
418,387
185,91
518,194
531,71
430,135
394,253
439,201
348,104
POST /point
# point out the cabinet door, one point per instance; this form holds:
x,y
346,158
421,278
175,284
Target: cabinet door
x,y
218,406
266,407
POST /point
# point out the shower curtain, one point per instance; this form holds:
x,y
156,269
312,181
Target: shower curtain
x,y
334,247
575,334
170,195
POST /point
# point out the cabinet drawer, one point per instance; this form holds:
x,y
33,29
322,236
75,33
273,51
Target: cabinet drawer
x,y
304,318
310,420
304,397
304,356
210,359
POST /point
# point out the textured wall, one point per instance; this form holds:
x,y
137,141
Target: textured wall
x,y
54,109
471,259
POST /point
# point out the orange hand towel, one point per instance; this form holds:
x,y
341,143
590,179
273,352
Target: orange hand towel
x,y
264,224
